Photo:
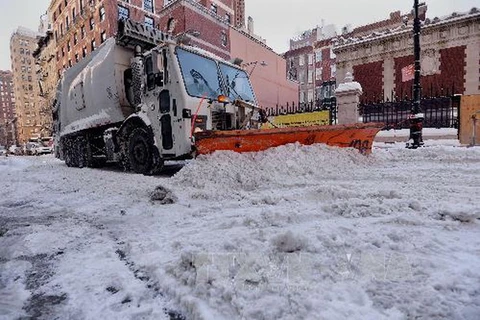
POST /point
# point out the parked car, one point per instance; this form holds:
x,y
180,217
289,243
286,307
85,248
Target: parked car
x,y
14,149
3,151
30,148
42,149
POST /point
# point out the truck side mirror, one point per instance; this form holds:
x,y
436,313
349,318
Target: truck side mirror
x,y
158,68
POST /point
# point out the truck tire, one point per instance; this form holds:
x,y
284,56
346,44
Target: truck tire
x,y
140,155
68,152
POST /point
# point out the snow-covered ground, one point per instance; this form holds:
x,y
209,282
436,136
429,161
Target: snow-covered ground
x,y
295,232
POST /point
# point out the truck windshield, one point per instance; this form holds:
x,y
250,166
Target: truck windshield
x,y
237,83
200,75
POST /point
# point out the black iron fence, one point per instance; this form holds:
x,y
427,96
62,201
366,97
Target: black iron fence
x,y
439,112
329,105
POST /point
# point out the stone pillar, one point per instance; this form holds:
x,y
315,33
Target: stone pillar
x,y
348,97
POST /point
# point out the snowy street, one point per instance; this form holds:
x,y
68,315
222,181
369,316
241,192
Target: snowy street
x,y
295,232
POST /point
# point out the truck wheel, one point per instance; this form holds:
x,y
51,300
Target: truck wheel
x,y
68,153
139,151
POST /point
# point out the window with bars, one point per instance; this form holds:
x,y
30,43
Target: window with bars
x,y
102,13
149,22
213,8
224,38
123,13
148,5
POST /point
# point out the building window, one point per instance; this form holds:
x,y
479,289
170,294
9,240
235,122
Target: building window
x,y
81,6
318,56
148,5
228,19
104,36
83,32
93,46
149,22
332,55
75,38
310,59
63,52
224,38
92,23
76,57
102,13
68,46
69,63
74,15
213,8
318,74
333,71
301,60
310,76
301,76
84,52
123,13
310,95
67,24
61,29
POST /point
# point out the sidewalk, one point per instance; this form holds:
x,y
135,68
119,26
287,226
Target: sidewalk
x,y
391,136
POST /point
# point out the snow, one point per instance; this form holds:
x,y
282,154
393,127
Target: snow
x,y
294,232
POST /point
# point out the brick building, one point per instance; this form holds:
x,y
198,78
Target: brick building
x,y
22,44
312,61
79,26
7,109
46,71
450,58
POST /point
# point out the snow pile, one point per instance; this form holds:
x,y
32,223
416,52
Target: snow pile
x,y
229,175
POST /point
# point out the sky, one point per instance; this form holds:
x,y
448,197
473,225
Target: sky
x,y
276,21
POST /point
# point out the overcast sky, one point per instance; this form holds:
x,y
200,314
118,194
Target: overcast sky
x,y
275,20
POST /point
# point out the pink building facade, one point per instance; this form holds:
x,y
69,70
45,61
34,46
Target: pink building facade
x,y
267,70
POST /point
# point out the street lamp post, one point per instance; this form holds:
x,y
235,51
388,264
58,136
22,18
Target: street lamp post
x,y
416,116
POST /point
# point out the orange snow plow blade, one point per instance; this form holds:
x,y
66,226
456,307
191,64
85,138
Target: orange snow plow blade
x,y
358,135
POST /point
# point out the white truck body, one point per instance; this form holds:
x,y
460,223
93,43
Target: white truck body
x,y
141,107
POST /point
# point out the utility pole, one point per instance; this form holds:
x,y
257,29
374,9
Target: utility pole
x,y
416,116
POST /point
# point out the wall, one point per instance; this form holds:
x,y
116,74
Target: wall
x,y
370,76
7,109
469,107
269,82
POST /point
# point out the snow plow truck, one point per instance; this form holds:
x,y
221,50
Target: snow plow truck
x,y
144,97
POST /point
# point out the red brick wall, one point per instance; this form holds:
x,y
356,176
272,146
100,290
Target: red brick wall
x,y
370,76
210,29
451,77
109,25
